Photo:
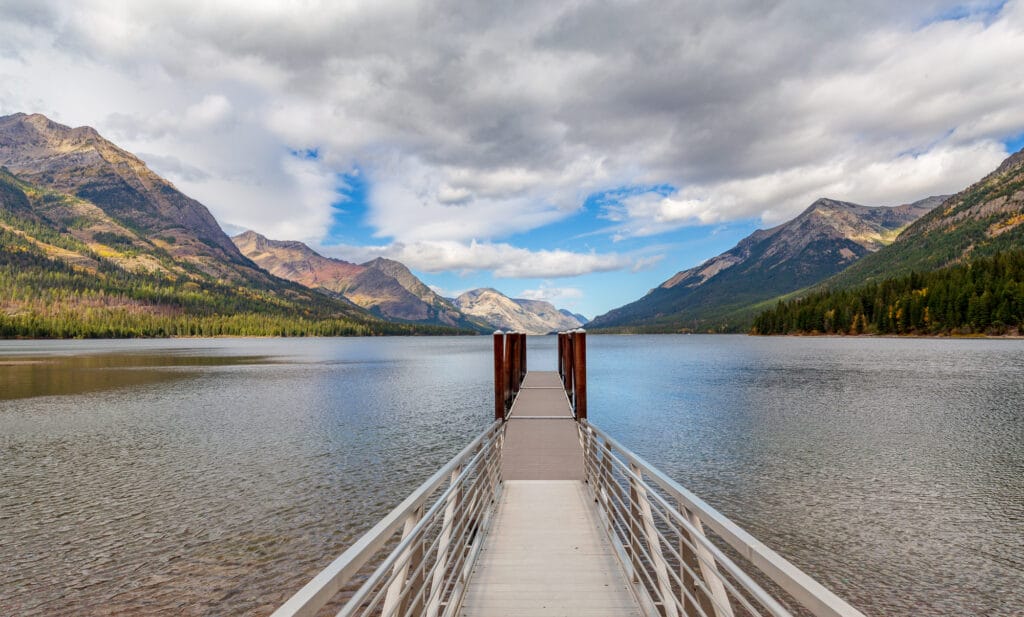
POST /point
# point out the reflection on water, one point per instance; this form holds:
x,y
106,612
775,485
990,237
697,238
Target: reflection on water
x,y
25,376
216,477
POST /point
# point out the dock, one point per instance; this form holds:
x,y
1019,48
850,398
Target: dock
x,y
544,524
544,514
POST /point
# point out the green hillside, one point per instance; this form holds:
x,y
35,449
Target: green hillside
x,y
985,296
983,220
67,269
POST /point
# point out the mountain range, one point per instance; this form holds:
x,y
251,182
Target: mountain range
x,y
94,243
384,287
958,270
387,288
520,315
724,292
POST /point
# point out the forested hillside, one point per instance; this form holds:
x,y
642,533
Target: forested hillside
x,y
985,296
68,270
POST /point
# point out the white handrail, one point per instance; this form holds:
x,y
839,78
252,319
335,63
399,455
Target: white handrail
x,y
332,579
800,586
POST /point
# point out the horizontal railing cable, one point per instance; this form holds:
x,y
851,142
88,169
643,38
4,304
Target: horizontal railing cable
x,y
675,569
432,538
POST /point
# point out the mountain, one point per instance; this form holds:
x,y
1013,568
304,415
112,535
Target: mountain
x,y
529,316
94,244
958,270
722,292
577,316
984,219
80,163
382,286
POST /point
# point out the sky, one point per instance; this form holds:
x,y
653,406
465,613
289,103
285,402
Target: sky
x,y
578,152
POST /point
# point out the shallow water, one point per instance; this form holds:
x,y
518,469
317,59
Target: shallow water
x,y
208,477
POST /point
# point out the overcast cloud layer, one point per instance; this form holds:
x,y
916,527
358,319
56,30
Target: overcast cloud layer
x,y
471,122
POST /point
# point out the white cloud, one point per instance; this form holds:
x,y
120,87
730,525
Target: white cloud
x,y
550,293
483,121
504,260
777,197
213,110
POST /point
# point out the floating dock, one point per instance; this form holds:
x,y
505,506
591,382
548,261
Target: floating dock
x,y
544,514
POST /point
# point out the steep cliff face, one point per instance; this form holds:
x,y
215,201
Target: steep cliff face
x,y
824,239
529,316
79,162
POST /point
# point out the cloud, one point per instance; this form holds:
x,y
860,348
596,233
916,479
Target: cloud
x,y
504,260
550,293
481,121
778,196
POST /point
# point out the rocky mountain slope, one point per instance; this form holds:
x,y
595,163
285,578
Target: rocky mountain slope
x,y
955,271
529,316
93,243
67,269
720,293
980,221
81,164
382,286
577,316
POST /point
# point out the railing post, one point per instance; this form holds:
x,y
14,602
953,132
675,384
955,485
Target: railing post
x,y
403,565
515,364
580,378
634,532
499,375
441,564
657,558
703,560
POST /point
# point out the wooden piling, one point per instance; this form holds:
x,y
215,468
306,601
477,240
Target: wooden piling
x,y
579,364
561,356
522,363
499,375
569,389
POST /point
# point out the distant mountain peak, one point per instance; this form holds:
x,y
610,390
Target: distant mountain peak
x,y
825,238
80,162
518,315
382,286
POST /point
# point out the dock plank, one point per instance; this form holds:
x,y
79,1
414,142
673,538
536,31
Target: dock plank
x,y
542,450
542,379
546,555
541,439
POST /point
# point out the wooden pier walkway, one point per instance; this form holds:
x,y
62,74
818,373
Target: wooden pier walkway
x,y
546,553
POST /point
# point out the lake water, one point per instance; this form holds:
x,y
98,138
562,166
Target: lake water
x,y
215,477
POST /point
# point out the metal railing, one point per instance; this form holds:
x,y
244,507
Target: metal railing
x,y
424,570
657,529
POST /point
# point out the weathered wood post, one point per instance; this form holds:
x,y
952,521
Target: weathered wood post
x,y
507,370
517,363
499,375
580,373
522,364
561,356
569,389
513,367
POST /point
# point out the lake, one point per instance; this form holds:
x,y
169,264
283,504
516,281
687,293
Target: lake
x,y
213,477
